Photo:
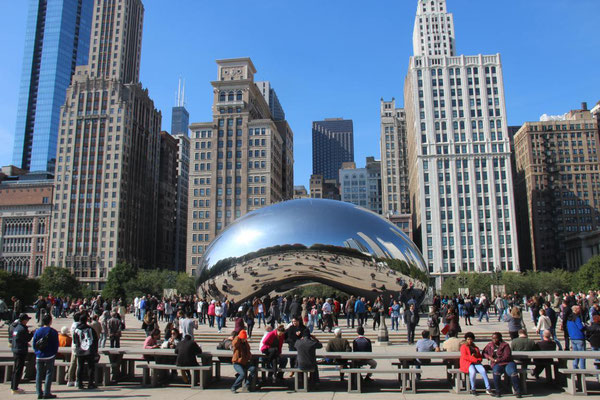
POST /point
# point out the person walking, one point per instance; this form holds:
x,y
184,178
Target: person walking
x,y
470,363
45,345
543,324
85,339
20,337
411,317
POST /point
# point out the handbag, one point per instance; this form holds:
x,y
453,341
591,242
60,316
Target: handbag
x,y
445,329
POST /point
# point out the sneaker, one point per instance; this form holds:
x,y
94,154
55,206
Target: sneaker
x,y
518,395
245,389
92,386
497,394
234,391
474,392
70,384
489,391
17,391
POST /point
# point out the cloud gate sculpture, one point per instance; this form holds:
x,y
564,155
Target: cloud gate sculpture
x,y
282,246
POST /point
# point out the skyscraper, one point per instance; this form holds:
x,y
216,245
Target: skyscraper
x,y
394,160
57,39
237,160
106,179
272,100
332,145
180,117
460,178
557,185
362,186
166,237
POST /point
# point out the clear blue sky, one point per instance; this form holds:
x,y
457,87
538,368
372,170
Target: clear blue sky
x,y
337,58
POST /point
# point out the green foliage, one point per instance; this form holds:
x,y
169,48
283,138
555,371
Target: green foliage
x,y
12,284
185,284
119,281
407,269
588,276
317,290
59,282
528,283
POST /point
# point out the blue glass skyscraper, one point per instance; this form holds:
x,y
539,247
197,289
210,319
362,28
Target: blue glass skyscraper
x,y
332,145
56,40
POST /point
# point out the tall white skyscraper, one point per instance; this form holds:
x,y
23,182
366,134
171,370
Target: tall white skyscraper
x,y
460,179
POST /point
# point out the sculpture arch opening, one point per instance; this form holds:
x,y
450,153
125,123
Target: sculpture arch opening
x,y
291,243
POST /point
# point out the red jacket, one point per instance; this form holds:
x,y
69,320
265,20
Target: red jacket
x,y
270,339
466,358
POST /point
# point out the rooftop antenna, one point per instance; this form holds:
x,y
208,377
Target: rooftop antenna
x,y
180,93
183,94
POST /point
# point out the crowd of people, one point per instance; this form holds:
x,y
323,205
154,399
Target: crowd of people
x,y
98,322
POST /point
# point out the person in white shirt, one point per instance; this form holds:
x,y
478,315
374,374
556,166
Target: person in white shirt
x,y
187,325
544,323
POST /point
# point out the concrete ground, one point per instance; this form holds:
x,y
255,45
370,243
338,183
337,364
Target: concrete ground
x,y
431,386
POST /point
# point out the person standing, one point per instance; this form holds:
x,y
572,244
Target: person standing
x,y
349,310
411,317
360,309
499,305
20,340
551,313
114,330
327,315
576,330
85,339
433,323
45,345
543,323
395,315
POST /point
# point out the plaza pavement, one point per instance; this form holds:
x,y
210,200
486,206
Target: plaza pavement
x,y
431,386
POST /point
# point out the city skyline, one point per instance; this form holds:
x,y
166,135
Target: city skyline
x,y
318,90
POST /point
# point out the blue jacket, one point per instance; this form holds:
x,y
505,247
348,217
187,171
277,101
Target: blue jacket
x,y
52,347
359,306
575,328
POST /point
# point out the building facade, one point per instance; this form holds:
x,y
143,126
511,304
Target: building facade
x,y
332,145
272,100
321,188
181,218
300,192
237,160
362,186
394,167
106,179
57,39
166,237
558,183
460,181
25,216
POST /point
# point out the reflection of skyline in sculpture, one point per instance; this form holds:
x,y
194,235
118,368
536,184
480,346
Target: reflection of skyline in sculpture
x,y
312,240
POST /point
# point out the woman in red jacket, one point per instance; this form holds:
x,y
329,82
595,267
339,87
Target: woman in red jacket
x,y
470,362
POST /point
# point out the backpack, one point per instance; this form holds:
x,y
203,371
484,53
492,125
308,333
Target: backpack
x,y
42,342
86,340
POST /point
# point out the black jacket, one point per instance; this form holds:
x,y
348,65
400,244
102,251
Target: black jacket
x,y
307,353
20,338
592,335
186,351
408,315
291,335
294,309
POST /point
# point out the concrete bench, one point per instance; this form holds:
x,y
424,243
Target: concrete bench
x,y
407,377
149,375
462,384
297,374
8,367
573,376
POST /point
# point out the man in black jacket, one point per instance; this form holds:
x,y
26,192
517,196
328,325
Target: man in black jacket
x,y
85,340
20,341
187,350
550,313
307,355
295,308
411,319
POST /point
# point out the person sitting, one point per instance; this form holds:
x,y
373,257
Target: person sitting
x,y
339,345
425,345
64,340
452,344
186,351
363,344
546,344
307,355
523,343
500,356
470,362
271,348
242,362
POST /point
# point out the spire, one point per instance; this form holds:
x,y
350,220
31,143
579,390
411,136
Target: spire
x,y
180,101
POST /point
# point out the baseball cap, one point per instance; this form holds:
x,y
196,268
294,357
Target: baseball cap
x,y
23,317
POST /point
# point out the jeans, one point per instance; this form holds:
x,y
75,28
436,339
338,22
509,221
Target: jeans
x,y
44,371
500,313
261,316
473,370
142,314
17,373
395,321
311,323
219,322
350,316
245,373
362,317
484,314
102,342
211,321
509,369
411,333
555,338
578,345
460,310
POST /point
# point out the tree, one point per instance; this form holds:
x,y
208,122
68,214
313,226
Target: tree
x,y
588,276
185,284
12,284
119,282
59,282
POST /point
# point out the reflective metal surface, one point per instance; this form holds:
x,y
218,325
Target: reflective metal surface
x,y
288,244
